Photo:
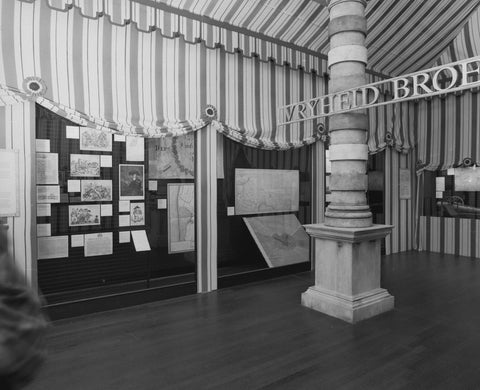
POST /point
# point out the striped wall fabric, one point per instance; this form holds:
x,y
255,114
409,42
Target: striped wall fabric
x,y
448,130
119,78
399,212
455,236
17,132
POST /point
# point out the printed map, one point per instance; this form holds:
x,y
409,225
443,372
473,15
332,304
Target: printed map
x,y
181,217
280,238
260,191
171,157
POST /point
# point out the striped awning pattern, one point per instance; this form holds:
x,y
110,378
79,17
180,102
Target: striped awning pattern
x,y
466,44
126,65
403,36
118,78
171,22
391,126
448,131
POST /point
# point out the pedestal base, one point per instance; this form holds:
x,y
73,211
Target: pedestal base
x,y
347,272
351,309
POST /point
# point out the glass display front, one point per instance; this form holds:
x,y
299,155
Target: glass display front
x,y
452,193
114,213
263,199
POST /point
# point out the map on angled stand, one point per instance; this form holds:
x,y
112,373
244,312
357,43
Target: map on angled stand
x,y
280,238
260,191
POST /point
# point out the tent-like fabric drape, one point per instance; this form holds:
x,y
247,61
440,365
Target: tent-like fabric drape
x,y
466,44
122,79
392,126
149,15
448,130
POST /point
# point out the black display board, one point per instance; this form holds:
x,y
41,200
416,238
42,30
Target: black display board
x,y
125,267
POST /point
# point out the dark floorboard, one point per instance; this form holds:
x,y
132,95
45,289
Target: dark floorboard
x,y
258,336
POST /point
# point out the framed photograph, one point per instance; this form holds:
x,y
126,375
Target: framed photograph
x,y
84,215
85,165
96,190
96,140
131,181
137,214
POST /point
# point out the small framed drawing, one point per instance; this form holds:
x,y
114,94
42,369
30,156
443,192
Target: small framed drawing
x,y
96,190
84,215
137,214
84,165
131,181
96,140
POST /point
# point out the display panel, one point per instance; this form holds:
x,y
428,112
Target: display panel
x,y
240,249
451,193
100,243
260,191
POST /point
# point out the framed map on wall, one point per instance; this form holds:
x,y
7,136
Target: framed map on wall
x,y
171,157
260,191
181,217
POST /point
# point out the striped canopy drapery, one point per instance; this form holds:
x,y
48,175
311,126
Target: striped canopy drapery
x,y
448,131
153,67
117,77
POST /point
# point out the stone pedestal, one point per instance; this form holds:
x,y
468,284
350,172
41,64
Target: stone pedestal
x,y
347,272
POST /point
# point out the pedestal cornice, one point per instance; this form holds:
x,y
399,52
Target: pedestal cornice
x,y
352,235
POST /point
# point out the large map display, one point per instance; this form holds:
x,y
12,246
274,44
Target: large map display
x,y
171,157
280,238
181,217
260,191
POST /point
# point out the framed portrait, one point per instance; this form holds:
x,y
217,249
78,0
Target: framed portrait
x,y
137,214
131,181
96,140
84,165
84,215
96,190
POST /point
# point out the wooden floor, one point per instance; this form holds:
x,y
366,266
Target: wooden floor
x,y
258,336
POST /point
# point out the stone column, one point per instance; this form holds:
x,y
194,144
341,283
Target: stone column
x,y
348,132
347,245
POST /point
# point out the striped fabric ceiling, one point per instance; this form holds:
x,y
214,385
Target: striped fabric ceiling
x,y
466,44
126,65
403,35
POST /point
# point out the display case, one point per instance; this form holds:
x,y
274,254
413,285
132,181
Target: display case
x,y
115,214
264,198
